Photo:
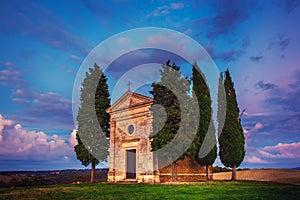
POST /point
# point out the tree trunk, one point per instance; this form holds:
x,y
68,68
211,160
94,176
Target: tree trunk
x,y
233,173
208,178
174,172
93,172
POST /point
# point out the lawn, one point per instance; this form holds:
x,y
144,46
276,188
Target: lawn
x,y
211,190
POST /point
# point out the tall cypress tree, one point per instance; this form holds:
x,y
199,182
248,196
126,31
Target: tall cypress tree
x,y
221,112
231,140
93,143
201,90
164,96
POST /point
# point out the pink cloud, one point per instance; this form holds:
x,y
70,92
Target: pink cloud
x,y
72,139
9,64
255,159
281,150
258,126
249,131
9,77
10,73
4,123
273,154
167,40
258,114
21,143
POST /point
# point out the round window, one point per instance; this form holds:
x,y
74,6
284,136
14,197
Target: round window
x,y
130,129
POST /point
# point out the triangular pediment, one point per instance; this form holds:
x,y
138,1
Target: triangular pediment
x,y
129,100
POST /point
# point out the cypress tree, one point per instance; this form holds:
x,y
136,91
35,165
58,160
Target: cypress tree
x,y
231,140
201,90
93,143
164,96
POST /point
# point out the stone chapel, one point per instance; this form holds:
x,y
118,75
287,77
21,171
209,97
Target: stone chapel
x,y
131,158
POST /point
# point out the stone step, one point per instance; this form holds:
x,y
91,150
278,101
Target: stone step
x,y
128,181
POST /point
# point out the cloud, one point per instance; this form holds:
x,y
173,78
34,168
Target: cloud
x,y
76,58
21,143
4,123
273,136
281,150
44,107
9,64
229,55
31,20
38,108
72,139
281,42
255,159
258,114
10,77
176,6
286,99
258,126
68,70
265,86
248,133
289,5
122,40
245,42
256,58
138,57
166,9
52,107
230,14
99,9
278,154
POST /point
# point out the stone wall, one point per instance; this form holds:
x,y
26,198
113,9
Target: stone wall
x,y
188,170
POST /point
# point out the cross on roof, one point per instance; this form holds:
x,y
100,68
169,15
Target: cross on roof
x,y
128,85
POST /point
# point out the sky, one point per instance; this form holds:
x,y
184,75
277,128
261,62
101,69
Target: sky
x,y
45,42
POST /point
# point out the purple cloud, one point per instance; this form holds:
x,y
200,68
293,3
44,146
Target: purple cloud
x,y
228,56
230,14
166,9
45,107
9,64
11,77
265,86
281,150
289,5
256,58
39,108
98,8
125,62
273,138
281,42
68,70
31,20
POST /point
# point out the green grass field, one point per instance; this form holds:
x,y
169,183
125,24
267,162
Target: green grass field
x,y
211,190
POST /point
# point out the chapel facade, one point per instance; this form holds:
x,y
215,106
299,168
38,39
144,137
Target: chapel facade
x,y
131,158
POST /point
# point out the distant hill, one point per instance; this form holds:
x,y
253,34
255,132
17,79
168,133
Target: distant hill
x,y
50,172
50,177
297,168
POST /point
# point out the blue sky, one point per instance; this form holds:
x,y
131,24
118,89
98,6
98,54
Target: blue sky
x,y
44,43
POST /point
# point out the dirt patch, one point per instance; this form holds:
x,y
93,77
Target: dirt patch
x,y
273,175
